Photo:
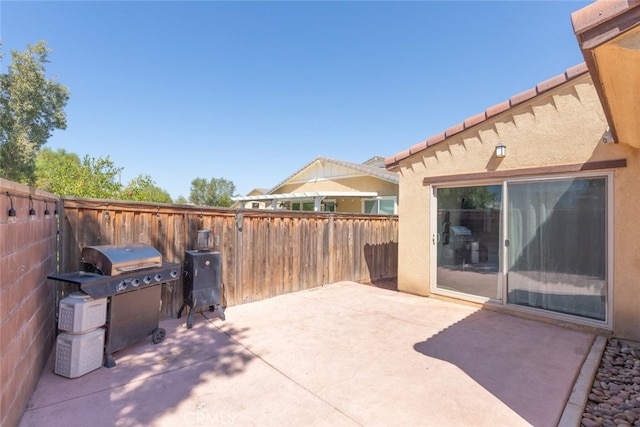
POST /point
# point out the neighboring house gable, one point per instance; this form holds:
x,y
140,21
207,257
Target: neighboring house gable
x,y
251,204
326,184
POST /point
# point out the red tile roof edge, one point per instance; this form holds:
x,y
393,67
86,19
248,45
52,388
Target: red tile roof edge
x,y
544,86
599,12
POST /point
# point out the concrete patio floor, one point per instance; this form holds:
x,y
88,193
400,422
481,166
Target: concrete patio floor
x,y
344,354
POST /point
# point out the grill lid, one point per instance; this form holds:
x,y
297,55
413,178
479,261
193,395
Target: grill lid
x,y
113,260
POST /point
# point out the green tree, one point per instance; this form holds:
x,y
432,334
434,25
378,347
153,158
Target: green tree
x,y
181,200
31,108
64,174
144,189
465,198
216,192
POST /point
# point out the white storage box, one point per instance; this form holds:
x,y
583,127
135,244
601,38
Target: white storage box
x,y
78,312
77,354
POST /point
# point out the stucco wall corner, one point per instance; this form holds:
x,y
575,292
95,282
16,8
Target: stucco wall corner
x,y
626,268
413,230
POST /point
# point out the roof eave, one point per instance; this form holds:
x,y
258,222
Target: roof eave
x,y
604,30
393,163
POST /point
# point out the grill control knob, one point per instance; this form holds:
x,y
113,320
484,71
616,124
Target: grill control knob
x,y
121,286
135,282
158,277
147,279
174,273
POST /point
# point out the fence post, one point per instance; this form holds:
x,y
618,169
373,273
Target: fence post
x,y
239,216
330,249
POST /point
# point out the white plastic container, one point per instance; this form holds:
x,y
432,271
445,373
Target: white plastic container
x,y
78,313
78,354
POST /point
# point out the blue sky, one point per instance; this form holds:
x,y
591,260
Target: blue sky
x,y
253,91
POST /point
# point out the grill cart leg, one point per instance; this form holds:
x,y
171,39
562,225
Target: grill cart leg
x,y
184,304
109,361
220,309
190,316
190,304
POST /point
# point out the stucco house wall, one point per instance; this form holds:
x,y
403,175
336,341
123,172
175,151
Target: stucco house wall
x,y
346,204
363,183
626,285
562,126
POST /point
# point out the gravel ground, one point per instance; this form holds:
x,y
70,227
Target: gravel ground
x,y
615,396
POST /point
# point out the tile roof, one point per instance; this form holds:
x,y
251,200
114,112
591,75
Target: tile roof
x,y
374,159
366,169
393,162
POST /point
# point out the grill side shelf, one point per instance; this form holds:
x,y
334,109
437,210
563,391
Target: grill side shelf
x,y
100,285
76,277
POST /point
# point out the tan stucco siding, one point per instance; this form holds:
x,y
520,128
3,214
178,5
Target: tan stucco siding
x,y
562,127
361,183
626,294
413,234
353,184
349,205
559,128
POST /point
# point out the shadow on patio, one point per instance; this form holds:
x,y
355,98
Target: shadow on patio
x,y
343,354
500,352
148,381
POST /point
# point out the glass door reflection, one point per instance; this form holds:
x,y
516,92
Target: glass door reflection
x,y
468,240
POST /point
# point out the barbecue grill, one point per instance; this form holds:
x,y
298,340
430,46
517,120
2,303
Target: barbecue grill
x,y
130,277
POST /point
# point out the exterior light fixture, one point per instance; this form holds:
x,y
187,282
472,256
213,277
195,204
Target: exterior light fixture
x,y
501,150
11,212
47,214
32,212
608,137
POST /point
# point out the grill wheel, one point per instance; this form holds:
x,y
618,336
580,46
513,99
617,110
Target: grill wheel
x,y
158,335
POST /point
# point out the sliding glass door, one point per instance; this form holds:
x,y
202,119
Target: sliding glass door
x,y
468,240
557,246
540,244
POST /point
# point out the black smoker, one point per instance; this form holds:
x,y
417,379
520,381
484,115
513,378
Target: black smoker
x,y
131,277
202,279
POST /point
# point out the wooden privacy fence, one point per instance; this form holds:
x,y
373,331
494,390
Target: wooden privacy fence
x,y
264,253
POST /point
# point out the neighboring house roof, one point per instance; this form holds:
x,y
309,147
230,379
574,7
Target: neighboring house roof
x,y
257,191
376,161
393,162
376,172
306,195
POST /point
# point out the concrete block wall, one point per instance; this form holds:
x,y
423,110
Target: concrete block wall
x,y
27,297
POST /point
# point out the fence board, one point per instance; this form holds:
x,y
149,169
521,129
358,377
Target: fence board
x,y
265,253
